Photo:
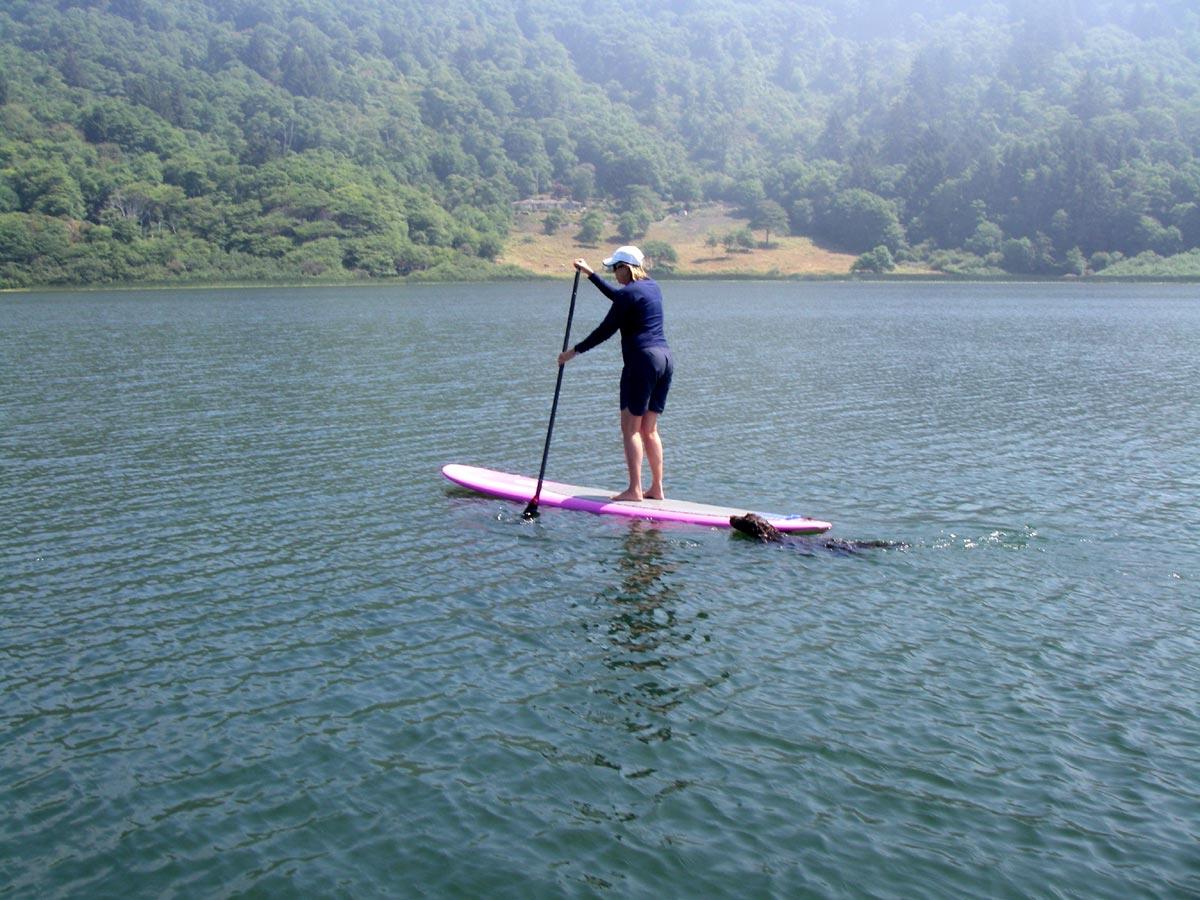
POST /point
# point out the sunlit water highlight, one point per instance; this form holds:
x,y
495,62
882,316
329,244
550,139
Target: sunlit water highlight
x,y
253,643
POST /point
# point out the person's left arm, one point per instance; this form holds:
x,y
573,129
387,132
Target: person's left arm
x,y
603,331
605,288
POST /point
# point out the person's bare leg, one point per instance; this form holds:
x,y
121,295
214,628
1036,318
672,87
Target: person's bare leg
x,y
652,444
631,437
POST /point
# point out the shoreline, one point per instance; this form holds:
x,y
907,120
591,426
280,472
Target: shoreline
x,y
737,276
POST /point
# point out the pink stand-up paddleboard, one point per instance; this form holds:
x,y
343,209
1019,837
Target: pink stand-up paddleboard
x,y
520,488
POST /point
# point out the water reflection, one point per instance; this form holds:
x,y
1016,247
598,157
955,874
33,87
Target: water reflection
x,y
645,635
651,649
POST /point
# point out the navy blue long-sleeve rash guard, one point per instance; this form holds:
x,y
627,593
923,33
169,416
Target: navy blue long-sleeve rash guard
x,y
636,311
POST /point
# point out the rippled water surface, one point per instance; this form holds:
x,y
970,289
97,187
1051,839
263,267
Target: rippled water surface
x,y
253,643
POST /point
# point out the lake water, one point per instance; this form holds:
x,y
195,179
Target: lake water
x,y
253,643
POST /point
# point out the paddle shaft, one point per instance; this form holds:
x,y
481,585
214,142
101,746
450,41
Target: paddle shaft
x,y
532,509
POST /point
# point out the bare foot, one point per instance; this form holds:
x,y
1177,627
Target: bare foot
x,y
629,494
650,495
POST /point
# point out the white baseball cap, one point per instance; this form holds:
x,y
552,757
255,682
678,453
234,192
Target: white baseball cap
x,y
628,254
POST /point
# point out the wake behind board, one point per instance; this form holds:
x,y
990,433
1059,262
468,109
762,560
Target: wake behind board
x,y
598,500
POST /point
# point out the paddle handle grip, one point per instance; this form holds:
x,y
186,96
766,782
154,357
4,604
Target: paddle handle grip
x,y
570,315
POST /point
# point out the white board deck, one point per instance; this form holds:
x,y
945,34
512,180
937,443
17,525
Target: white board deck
x,y
600,501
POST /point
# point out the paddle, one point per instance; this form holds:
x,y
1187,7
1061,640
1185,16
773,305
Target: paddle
x,y
531,511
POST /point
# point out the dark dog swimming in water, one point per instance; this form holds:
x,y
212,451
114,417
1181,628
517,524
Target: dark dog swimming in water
x,y
758,527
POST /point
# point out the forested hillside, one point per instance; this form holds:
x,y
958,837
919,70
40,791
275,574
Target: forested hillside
x,y
163,140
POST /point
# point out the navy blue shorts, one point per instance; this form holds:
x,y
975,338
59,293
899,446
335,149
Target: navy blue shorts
x,y
645,381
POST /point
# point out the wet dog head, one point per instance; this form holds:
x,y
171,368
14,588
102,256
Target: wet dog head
x,y
756,526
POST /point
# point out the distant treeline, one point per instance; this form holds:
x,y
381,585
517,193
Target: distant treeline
x,y
169,140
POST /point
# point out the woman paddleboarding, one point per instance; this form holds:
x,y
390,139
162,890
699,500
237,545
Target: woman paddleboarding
x,y
637,313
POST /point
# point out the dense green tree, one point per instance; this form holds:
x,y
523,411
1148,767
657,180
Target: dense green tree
x,y
553,221
1186,217
858,220
661,256
877,260
46,186
591,227
114,122
769,216
738,240
631,226
987,238
16,239
1074,262
582,182
1019,256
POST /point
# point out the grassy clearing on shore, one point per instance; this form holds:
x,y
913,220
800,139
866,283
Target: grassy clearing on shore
x,y
530,248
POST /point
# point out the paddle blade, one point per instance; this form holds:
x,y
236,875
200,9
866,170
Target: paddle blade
x,y
531,511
